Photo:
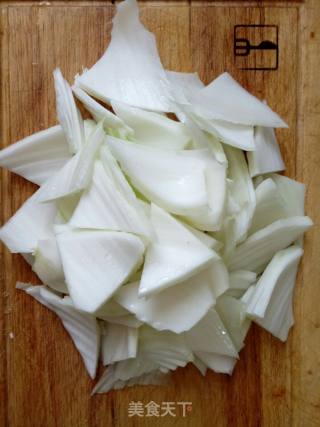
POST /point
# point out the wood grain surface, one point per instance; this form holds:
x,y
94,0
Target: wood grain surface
x,y
42,380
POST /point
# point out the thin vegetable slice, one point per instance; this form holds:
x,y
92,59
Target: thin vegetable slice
x,y
103,207
68,114
270,206
31,223
153,129
37,157
240,280
177,308
172,180
210,217
175,256
266,157
242,192
102,114
118,343
164,348
205,238
184,82
130,70
210,336
255,253
219,278
48,266
89,127
110,381
217,362
82,328
270,304
238,135
225,99
292,193
77,172
232,313
107,260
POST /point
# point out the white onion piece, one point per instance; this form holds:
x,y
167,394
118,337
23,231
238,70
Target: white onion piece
x,y
37,157
225,99
118,343
177,308
82,327
68,114
107,260
266,156
130,70
153,129
175,256
103,207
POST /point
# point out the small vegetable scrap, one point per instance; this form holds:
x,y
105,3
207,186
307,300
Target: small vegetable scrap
x,y
158,241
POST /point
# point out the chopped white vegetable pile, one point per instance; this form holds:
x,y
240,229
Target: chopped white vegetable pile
x,y
157,240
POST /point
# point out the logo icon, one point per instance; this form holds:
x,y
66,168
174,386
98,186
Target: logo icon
x,y
256,47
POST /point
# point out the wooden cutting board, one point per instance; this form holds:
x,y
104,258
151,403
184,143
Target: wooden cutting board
x,y
42,380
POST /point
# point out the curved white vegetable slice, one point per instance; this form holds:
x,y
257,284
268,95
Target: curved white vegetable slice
x,y
111,309
118,343
258,249
68,114
200,365
77,172
157,351
164,348
266,156
153,129
292,193
128,320
210,217
114,313
119,180
37,157
31,223
100,113
176,309
130,70
200,139
205,238
82,328
96,263
210,335
185,82
242,191
219,277
110,381
172,180
270,206
270,305
48,266
175,256
89,127
232,313
217,362
102,206
240,281
237,135
67,205
121,184
225,99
